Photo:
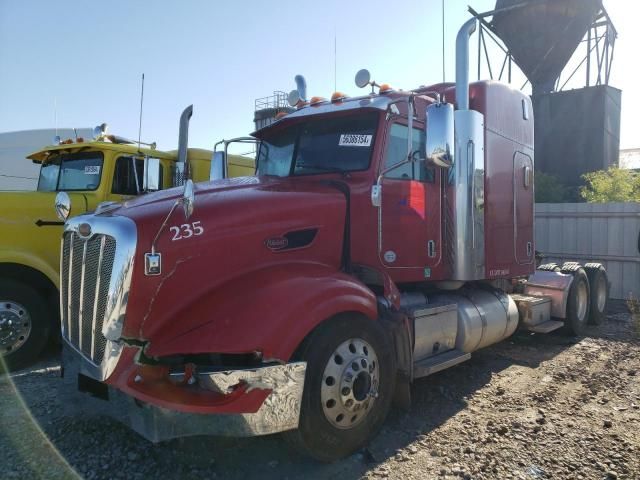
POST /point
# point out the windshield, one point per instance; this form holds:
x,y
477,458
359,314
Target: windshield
x,y
319,145
74,171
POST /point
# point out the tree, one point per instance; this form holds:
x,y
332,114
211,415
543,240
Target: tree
x,y
549,189
612,185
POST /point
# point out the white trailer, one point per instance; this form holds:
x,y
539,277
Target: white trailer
x,y
18,173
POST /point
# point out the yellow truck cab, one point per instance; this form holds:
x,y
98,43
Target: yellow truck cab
x,y
105,169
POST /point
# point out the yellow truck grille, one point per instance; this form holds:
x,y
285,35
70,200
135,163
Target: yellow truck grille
x,y
87,265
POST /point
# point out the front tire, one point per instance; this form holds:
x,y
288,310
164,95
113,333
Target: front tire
x,y
348,387
25,324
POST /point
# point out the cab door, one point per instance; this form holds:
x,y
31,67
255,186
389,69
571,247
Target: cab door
x,y
128,178
410,212
523,207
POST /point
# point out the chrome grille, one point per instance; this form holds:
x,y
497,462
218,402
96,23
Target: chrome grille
x,y
86,274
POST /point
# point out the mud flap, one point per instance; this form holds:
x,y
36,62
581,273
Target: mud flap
x,y
397,326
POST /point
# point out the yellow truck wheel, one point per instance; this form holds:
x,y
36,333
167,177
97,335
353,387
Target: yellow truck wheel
x,y
25,324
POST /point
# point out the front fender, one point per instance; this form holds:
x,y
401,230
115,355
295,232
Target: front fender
x,y
30,260
270,311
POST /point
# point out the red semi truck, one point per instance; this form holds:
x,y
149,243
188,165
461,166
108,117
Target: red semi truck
x,y
384,238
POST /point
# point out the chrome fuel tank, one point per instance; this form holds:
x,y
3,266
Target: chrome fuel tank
x,y
485,317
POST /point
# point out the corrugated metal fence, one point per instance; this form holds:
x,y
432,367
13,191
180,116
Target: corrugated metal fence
x,y
608,233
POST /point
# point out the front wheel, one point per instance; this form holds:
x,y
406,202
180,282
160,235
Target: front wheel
x,y
348,387
24,324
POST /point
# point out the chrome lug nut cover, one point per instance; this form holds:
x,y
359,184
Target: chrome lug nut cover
x,y
350,383
15,326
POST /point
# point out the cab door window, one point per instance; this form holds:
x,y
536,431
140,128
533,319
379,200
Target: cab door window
x,y
396,152
128,177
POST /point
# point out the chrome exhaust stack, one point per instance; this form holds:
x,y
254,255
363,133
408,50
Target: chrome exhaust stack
x,y
182,166
467,199
462,63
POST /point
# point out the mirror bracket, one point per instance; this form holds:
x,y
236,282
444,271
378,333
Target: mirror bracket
x,y
376,194
187,202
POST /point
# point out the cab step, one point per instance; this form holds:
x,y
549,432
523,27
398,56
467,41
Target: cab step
x,y
546,327
430,365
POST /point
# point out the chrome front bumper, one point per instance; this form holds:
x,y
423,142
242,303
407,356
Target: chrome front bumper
x,y
279,412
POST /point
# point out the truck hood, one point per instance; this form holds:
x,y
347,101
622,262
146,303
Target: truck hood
x,y
28,207
30,231
239,226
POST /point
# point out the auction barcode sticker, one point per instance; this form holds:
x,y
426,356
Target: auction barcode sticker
x,y
354,140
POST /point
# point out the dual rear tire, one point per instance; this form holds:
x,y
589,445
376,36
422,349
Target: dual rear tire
x,y
588,296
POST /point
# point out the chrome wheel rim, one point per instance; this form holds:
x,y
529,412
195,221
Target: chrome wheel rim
x,y
601,294
15,326
350,383
581,300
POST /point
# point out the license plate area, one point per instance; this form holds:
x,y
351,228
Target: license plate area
x,y
93,387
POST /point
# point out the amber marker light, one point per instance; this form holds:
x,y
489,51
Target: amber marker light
x,y
338,97
317,100
385,88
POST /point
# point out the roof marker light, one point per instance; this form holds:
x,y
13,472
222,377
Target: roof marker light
x,y
317,100
385,88
338,97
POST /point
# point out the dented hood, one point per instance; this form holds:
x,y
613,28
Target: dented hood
x,y
238,226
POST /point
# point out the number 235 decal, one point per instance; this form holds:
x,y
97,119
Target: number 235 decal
x,y
186,230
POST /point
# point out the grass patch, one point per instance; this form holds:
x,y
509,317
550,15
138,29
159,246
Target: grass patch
x,y
633,304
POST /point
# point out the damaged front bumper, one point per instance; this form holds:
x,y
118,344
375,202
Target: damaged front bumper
x,y
229,414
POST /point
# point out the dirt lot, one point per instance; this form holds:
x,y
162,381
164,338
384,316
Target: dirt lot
x,y
533,407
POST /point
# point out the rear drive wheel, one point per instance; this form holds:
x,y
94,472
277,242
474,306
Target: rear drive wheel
x,y
599,292
25,324
549,267
348,388
578,303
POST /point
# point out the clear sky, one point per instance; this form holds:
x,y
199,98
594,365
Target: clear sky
x,y
87,57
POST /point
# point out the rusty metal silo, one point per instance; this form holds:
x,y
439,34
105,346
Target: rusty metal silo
x,y
543,35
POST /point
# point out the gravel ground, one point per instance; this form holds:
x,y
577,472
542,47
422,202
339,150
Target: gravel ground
x,y
532,407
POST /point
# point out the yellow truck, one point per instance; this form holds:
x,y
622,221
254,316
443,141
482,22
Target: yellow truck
x,y
106,169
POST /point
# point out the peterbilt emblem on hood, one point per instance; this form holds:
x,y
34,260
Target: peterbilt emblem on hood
x,y
84,229
276,243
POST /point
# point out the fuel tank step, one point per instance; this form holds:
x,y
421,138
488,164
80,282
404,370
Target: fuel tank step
x,y
439,362
546,327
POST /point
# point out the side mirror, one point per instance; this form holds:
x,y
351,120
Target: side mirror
x,y
218,166
440,134
63,206
188,199
151,176
363,78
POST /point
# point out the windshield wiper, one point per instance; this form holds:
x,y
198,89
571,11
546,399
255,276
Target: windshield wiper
x,y
324,168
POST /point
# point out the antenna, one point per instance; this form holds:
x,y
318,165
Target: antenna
x,y
443,70
335,60
55,114
140,122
